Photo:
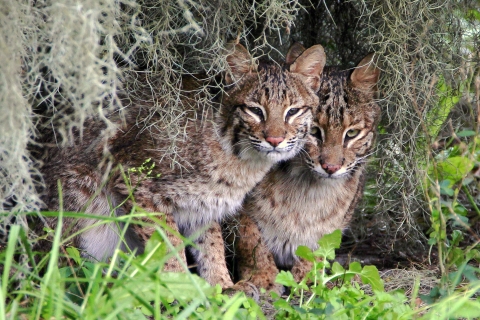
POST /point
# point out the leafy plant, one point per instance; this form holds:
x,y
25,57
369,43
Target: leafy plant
x,y
331,291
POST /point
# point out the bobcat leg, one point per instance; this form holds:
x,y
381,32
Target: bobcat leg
x,y
173,264
255,261
210,257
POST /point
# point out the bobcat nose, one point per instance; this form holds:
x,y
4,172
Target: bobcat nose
x,y
331,168
274,141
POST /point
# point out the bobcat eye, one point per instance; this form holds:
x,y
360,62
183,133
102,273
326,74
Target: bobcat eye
x,y
292,112
256,110
352,133
316,132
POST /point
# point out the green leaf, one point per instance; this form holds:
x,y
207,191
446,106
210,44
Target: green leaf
x,y
445,188
459,220
455,168
174,286
466,133
87,273
469,309
470,273
473,254
337,268
328,244
457,236
155,250
456,256
473,14
305,253
283,305
355,267
370,275
447,99
182,287
74,254
286,278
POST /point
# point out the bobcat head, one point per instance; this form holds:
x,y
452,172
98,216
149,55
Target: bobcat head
x,y
269,107
343,130
345,121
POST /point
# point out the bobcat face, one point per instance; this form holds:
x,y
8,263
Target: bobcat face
x,y
272,105
344,127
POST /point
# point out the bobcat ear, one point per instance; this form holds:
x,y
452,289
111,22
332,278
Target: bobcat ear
x,y
294,52
366,74
310,64
239,61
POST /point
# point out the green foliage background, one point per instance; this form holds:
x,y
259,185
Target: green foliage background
x,y
65,61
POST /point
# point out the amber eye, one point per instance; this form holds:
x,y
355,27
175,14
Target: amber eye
x,y
316,132
352,133
292,112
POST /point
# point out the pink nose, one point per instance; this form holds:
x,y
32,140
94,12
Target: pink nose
x,y
274,141
331,168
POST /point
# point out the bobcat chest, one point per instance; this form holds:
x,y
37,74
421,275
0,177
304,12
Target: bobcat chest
x,y
212,193
304,213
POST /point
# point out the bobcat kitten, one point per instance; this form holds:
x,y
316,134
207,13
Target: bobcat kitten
x,y
316,192
262,119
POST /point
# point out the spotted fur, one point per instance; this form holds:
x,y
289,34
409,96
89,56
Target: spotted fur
x,y
217,161
316,192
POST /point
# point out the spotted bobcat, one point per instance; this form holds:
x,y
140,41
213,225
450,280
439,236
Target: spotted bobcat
x,y
263,118
316,192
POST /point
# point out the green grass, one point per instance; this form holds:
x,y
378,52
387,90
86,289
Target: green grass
x,y
60,284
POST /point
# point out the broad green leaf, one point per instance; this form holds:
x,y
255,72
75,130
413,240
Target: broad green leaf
x,y
328,244
87,272
74,254
470,273
337,268
448,98
459,220
473,14
473,254
339,272
455,168
286,278
469,309
300,310
456,256
305,253
355,267
283,305
175,285
65,272
459,209
370,275
466,133
457,236
181,284
155,250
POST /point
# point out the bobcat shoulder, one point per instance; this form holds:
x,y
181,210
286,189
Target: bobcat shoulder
x,y
316,192
264,117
